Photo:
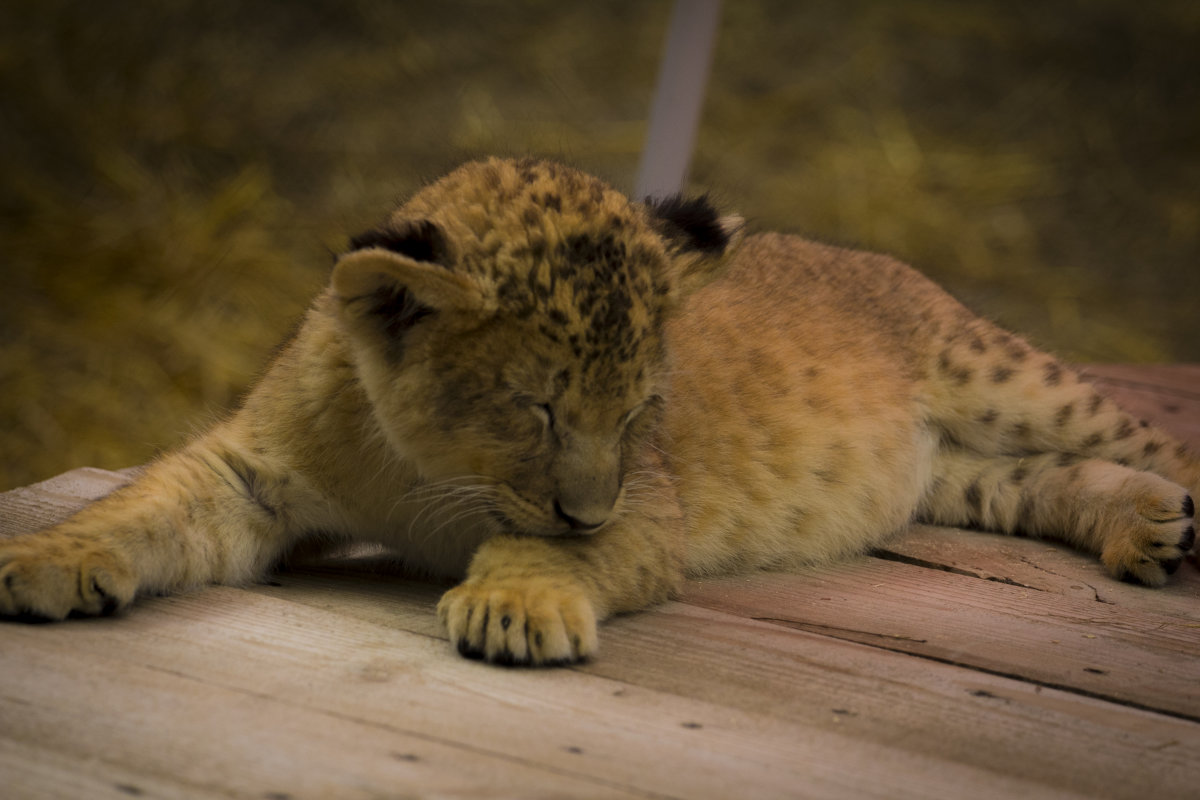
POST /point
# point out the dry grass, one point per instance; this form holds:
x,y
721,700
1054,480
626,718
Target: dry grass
x,y
173,176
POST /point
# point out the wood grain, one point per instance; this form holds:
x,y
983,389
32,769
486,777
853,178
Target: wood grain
x,y
949,664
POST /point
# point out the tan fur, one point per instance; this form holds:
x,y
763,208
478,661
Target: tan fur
x,y
573,401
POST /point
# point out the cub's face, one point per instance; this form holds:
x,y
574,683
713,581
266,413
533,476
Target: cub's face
x,y
508,326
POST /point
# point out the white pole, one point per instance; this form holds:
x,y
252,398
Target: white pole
x,y
678,98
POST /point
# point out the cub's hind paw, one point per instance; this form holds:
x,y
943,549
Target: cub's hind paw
x,y
45,579
520,621
1154,545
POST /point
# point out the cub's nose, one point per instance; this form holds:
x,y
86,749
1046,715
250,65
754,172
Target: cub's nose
x,y
581,520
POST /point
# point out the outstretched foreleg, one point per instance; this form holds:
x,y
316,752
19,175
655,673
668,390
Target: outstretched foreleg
x,y
207,513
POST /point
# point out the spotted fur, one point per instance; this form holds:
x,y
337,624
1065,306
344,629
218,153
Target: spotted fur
x,y
572,401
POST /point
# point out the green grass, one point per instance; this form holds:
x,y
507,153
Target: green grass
x,y
175,176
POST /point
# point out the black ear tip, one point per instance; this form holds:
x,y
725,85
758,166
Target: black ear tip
x,y
693,222
421,240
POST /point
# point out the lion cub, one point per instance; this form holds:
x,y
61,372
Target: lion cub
x,y
573,401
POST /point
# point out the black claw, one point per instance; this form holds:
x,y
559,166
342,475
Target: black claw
x,y
1189,539
1128,577
466,650
1189,508
1172,565
507,659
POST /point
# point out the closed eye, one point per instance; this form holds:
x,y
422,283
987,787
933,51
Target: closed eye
x,y
544,412
632,414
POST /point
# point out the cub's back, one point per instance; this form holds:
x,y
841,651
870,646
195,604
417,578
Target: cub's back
x,y
797,414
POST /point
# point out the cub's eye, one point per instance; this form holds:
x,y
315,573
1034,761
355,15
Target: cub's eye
x,y
544,412
649,404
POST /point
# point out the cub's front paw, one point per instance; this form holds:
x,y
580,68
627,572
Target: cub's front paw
x,y
1152,546
538,621
45,576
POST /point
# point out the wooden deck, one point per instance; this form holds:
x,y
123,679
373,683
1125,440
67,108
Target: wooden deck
x,y
953,664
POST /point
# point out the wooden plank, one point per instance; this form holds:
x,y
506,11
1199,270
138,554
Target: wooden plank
x,y
994,723
162,728
29,771
31,508
1056,739
1170,378
1045,566
1166,395
230,646
1102,650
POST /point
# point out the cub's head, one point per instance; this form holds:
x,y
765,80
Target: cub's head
x,y
508,325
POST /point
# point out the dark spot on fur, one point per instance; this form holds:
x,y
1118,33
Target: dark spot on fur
x,y
574,750
421,241
406,757
989,416
827,476
1001,374
552,202
1066,459
1151,448
1124,430
1052,374
1021,431
1095,440
1094,404
692,725
1019,474
1025,514
977,345
974,498
692,224
1063,415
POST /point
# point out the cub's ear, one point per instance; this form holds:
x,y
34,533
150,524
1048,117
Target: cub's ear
x,y
698,236
405,265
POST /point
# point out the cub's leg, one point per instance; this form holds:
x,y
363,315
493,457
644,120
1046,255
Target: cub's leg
x,y
1139,523
536,600
208,513
995,395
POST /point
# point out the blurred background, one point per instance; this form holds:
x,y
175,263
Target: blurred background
x,y
175,176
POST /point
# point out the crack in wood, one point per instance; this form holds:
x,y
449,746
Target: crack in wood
x,y
831,630
892,555
1095,592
